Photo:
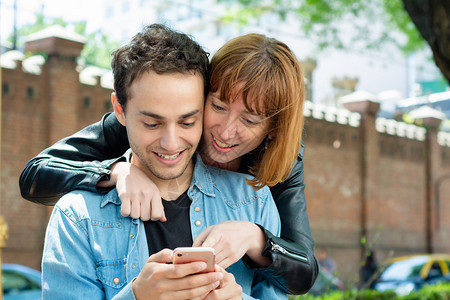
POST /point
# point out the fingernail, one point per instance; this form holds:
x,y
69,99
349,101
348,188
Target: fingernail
x,y
216,284
201,266
219,276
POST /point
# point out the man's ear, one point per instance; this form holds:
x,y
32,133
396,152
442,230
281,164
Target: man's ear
x,y
118,109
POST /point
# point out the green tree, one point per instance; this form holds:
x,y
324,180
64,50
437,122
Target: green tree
x,y
406,24
96,51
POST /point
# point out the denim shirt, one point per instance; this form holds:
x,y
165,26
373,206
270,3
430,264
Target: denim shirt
x,y
92,252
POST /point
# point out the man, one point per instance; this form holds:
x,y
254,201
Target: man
x,y
92,252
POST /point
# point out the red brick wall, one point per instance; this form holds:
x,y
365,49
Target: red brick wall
x,y
31,121
394,183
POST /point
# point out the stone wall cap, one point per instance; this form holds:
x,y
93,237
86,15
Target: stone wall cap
x,y
56,31
401,129
426,112
358,96
331,114
8,60
89,75
443,138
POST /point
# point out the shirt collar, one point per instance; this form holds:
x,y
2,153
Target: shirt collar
x,y
202,178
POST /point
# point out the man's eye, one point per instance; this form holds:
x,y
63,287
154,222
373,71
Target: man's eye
x,y
150,125
188,124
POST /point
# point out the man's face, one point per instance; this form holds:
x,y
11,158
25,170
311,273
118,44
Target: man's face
x,y
164,122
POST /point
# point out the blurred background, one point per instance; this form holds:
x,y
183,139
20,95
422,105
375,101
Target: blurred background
x,y
377,160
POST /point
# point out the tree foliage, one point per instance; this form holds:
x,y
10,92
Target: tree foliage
x,y
341,24
362,24
96,51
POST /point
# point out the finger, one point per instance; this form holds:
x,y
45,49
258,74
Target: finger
x,y
145,208
183,270
225,263
199,239
135,208
196,280
157,208
163,256
125,207
194,293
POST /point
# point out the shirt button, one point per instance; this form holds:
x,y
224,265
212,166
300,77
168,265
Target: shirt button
x,y
116,280
131,236
133,266
198,223
197,208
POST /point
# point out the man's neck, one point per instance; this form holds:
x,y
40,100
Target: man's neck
x,y
171,189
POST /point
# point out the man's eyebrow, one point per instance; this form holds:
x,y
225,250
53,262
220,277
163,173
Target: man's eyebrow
x,y
190,114
158,117
152,115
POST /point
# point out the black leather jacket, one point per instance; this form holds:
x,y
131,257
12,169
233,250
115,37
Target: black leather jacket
x,y
81,160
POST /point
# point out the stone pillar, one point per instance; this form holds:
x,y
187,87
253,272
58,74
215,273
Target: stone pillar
x,y
431,122
308,66
343,86
62,48
369,153
3,238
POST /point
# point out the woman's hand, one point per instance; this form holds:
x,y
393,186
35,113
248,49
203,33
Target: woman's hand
x,y
231,240
139,195
228,289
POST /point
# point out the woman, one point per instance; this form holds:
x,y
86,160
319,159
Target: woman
x,y
252,124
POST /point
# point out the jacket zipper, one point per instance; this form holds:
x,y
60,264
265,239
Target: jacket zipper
x,y
278,248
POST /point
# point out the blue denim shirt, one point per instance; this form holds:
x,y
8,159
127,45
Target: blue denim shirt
x,y
92,252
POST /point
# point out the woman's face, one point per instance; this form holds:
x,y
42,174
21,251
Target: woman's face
x,y
230,130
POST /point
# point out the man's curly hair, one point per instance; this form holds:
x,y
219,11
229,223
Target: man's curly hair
x,y
159,49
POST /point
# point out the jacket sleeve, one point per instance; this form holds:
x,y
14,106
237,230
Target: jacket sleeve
x,y
294,268
76,162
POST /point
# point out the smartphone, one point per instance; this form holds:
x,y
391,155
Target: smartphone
x,y
182,255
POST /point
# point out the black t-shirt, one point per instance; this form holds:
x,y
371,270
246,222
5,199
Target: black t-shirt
x,y
176,231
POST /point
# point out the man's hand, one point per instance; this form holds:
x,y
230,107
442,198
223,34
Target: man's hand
x,y
139,195
160,280
228,289
231,240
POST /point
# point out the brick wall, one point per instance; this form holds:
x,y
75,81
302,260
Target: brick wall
x,y
364,177
38,110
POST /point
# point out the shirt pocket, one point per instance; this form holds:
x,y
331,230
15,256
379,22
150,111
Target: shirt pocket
x,y
112,274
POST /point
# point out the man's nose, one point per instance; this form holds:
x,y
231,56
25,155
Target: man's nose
x,y
170,140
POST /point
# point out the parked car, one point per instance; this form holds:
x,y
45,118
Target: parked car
x,y
325,282
410,273
21,282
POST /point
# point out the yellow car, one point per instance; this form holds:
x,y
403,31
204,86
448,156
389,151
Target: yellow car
x,y
407,273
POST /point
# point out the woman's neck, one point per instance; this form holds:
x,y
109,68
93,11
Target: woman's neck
x,y
231,165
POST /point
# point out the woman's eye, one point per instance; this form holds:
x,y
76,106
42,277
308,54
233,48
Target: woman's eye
x,y
217,107
250,122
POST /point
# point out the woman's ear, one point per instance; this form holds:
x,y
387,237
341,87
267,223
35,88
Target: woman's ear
x,y
118,109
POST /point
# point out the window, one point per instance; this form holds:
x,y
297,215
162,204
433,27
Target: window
x,y
86,102
30,92
108,105
5,88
